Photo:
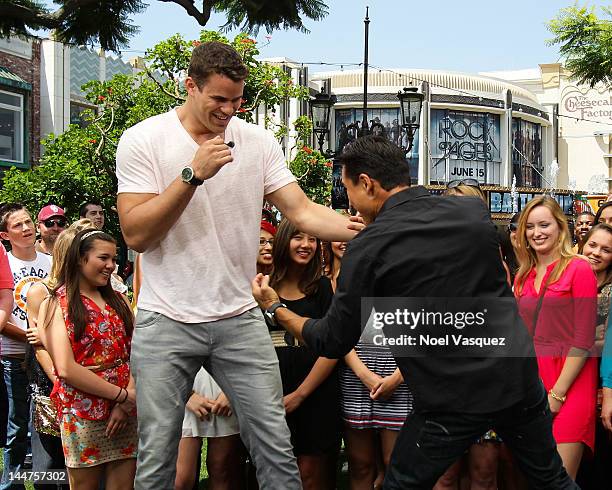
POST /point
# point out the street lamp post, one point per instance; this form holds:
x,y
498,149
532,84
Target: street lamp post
x,y
410,102
320,108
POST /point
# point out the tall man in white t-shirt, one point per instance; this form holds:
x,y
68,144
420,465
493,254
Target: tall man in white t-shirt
x,y
27,266
192,205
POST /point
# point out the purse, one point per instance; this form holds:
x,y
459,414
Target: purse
x,y
45,419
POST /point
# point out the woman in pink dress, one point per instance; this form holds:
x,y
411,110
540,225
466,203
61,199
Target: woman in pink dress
x,y
557,296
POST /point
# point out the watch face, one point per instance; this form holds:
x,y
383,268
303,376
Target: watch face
x,y
187,174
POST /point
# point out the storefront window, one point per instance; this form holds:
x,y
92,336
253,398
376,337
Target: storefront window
x,y
464,145
527,153
384,122
11,127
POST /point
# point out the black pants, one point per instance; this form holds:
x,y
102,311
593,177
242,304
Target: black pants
x,y
430,442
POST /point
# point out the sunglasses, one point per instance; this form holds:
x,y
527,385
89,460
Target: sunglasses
x,y
469,182
59,222
263,241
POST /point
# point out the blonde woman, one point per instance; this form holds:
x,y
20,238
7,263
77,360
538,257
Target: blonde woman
x,y
557,297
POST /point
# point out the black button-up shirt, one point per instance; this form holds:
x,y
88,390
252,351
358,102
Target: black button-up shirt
x,y
441,247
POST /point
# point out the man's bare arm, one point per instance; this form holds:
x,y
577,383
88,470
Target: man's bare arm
x,y
310,217
146,218
7,328
12,331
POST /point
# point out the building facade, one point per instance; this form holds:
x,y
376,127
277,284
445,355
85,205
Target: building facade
x,y
584,124
19,102
472,126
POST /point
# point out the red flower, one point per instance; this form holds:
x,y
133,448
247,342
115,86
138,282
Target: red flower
x,y
329,164
93,142
127,451
101,98
195,44
90,454
242,109
70,427
313,160
307,149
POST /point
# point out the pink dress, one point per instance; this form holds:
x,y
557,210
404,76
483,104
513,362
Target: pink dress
x,y
567,319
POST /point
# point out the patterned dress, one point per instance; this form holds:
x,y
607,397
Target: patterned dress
x,y
104,347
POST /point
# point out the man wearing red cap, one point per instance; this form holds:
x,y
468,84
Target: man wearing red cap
x,y
51,222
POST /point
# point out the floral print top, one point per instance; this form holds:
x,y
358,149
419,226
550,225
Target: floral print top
x,y
104,343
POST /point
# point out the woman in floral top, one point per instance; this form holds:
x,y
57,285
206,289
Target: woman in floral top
x,y
87,330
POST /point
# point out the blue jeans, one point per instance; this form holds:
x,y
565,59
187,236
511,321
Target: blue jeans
x,y
239,355
430,442
16,382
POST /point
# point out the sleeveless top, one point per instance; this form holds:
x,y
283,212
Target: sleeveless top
x,y
104,343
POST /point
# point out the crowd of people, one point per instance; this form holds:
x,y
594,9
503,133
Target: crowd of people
x,y
265,351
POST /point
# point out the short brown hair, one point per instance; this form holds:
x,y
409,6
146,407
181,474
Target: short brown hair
x,y
6,211
216,57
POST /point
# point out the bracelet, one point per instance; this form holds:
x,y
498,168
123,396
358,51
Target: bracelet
x,y
125,398
559,398
118,394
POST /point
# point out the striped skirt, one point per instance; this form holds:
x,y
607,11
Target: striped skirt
x,y
359,411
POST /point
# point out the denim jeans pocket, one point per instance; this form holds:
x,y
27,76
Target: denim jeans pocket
x,y
435,440
145,318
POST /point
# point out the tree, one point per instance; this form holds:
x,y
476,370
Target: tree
x,y
108,23
585,42
80,163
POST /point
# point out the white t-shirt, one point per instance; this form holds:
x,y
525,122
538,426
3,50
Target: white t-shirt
x,y
25,273
202,269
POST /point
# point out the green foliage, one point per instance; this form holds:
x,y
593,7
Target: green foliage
x,y
105,22
313,172
80,163
585,42
249,16
108,22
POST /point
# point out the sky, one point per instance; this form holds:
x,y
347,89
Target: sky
x,y
467,36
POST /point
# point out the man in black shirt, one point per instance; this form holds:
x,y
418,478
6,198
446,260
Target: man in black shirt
x,y
432,257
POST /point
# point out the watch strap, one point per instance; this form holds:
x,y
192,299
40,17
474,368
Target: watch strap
x,y
275,307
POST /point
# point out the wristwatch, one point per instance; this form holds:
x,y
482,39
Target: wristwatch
x,y
188,176
269,313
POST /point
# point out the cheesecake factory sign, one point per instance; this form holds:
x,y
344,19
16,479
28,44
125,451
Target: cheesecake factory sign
x,y
594,104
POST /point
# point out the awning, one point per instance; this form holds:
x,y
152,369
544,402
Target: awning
x,y
8,78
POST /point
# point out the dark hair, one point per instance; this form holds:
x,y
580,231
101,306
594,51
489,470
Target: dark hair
x,y
600,210
585,213
216,57
378,158
594,229
70,275
309,282
83,209
6,211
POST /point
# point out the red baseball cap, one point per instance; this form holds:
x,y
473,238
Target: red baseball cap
x,y
269,227
50,210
